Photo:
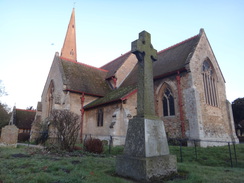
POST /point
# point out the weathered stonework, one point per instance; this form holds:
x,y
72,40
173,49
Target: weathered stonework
x,y
9,136
208,122
150,138
149,169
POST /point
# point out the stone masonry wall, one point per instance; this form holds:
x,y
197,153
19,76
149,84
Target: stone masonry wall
x,y
90,121
115,120
172,123
58,95
214,121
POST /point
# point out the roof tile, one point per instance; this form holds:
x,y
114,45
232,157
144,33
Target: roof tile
x,y
83,78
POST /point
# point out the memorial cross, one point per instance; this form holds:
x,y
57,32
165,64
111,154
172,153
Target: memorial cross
x,y
145,54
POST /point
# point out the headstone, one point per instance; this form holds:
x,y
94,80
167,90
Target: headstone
x,y
146,154
9,136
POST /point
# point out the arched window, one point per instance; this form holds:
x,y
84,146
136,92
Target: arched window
x,y
168,103
209,82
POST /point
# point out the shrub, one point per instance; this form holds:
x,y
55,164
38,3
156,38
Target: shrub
x,y
66,127
93,146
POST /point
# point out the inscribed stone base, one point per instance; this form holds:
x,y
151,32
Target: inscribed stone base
x,y
146,138
146,169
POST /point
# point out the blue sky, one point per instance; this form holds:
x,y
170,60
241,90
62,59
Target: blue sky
x,y
32,31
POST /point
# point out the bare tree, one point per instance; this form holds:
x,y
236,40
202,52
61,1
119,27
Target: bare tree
x,y
66,128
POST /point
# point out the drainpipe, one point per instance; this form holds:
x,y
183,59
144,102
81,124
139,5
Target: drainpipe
x,y
82,100
180,105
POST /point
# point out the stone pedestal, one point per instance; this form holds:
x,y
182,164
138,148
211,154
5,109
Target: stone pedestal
x,y
146,138
146,169
146,154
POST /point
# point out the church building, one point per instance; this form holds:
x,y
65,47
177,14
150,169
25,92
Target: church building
x,y
189,92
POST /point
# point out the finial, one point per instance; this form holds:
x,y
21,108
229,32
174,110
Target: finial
x,y
74,4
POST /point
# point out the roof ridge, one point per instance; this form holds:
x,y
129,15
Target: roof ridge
x,y
25,110
76,62
177,44
115,59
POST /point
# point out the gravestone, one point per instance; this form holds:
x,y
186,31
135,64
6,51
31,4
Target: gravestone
x,y
9,136
146,154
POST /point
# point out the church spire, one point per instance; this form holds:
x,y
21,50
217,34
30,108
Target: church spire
x,y
69,47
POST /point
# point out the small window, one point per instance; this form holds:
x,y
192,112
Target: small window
x,y
168,103
100,117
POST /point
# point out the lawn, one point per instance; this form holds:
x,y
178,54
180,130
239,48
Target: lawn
x,y
25,164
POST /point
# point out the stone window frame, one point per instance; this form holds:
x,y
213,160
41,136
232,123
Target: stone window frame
x,y
209,79
159,93
168,101
100,116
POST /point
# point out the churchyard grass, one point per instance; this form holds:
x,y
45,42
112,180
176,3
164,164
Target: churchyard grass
x,y
25,164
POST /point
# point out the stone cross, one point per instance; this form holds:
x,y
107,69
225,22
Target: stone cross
x,y
145,54
146,152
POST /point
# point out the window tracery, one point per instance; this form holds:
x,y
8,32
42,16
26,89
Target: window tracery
x,y
209,82
168,103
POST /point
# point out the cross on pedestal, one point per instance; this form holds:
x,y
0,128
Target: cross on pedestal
x,y
146,152
145,54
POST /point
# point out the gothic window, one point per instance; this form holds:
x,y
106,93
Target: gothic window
x,y
100,117
168,103
209,83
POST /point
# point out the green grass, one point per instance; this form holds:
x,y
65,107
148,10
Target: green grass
x,y
211,156
23,164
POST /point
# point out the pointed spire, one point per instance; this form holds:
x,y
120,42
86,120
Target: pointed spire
x,y
69,47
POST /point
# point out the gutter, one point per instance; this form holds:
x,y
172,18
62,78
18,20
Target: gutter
x,y
81,92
